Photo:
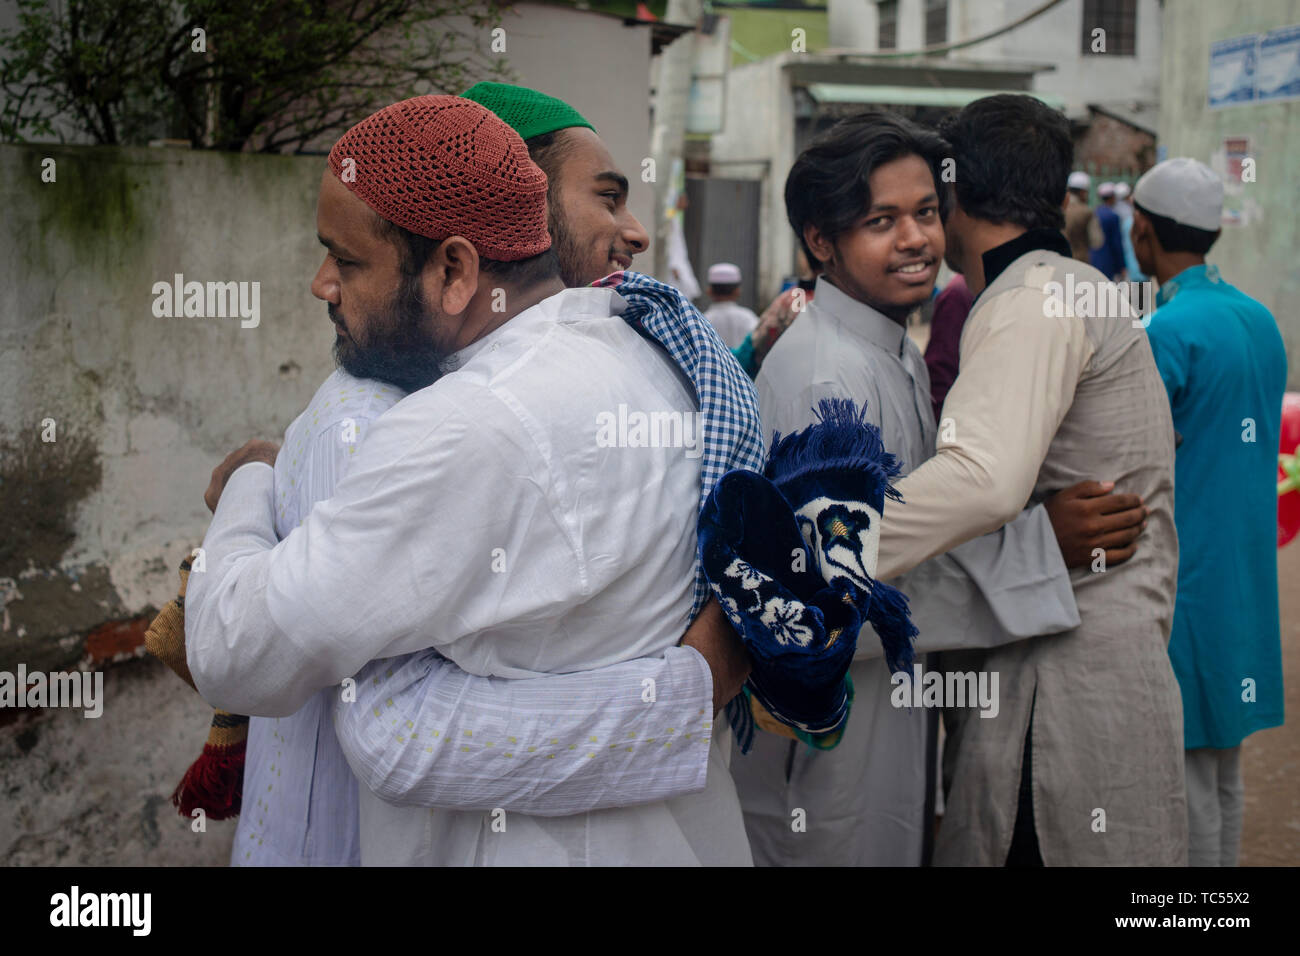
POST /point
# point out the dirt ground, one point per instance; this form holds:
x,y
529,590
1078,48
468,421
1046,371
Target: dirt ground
x,y
1271,758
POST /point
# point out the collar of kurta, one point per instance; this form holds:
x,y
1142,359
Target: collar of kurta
x,y
997,259
859,318
559,304
1204,274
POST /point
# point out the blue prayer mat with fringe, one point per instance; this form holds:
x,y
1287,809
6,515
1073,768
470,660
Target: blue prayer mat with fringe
x,y
791,556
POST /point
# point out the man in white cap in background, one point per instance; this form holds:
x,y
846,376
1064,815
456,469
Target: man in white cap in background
x,y
1224,366
1080,224
1123,208
1109,256
731,319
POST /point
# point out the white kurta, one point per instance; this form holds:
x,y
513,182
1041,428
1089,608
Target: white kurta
x,y
300,798
484,517
864,800
301,804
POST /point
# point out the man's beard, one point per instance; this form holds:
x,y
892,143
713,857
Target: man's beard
x,y
568,254
392,348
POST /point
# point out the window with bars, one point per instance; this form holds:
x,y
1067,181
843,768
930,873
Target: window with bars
x,y
1118,18
936,22
887,11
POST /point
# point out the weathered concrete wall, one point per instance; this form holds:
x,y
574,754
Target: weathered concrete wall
x,y
141,408
97,792
1258,256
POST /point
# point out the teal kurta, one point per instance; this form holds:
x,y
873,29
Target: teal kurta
x,y
1224,366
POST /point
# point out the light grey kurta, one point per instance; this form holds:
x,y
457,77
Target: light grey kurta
x,y
864,801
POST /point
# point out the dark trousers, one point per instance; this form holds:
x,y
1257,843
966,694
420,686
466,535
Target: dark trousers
x,y
1024,840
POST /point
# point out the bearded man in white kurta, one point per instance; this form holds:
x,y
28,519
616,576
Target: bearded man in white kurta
x,y
482,516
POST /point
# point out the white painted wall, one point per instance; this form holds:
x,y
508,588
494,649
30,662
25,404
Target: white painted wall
x,y
853,24
1258,255
599,66
1054,37
758,142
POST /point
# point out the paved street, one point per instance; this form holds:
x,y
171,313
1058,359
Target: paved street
x,y
1271,758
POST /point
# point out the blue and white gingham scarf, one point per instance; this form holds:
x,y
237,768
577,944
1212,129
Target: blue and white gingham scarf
x,y
733,432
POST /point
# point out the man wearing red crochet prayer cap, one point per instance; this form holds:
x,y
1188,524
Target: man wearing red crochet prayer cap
x,y
483,519
438,192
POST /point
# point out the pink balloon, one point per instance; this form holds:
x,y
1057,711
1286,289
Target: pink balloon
x,y
1288,503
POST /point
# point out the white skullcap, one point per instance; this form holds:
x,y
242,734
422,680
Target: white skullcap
x,y
1106,189
1184,190
724,273
1078,180
1121,190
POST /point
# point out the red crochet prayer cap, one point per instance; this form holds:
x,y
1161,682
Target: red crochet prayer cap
x,y
445,166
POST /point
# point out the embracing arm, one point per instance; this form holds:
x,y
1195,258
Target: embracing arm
x,y
269,624
422,732
1019,369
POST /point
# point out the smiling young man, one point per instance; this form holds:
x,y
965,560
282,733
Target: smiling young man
x,y
865,201
593,232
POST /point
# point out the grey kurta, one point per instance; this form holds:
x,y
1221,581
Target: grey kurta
x,y
1107,717
864,801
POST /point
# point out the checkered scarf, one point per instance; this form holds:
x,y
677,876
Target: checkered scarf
x,y
733,432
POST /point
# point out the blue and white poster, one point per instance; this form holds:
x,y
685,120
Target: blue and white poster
x,y
1232,70
1279,65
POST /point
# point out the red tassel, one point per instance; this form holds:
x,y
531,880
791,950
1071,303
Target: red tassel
x,y
214,783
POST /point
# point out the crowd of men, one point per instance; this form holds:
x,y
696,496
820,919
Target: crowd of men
x,y
470,634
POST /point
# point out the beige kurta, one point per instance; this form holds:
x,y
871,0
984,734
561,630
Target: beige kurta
x,y
1042,403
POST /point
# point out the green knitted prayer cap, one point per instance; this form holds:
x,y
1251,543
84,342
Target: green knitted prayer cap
x,y
526,111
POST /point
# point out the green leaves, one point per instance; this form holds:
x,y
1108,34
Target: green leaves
x,y
275,75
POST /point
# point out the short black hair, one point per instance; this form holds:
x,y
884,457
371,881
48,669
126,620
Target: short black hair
x,y
1176,237
548,150
416,249
723,288
1014,156
828,184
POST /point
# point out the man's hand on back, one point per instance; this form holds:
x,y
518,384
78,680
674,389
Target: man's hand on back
x,y
713,636
1089,515
255,450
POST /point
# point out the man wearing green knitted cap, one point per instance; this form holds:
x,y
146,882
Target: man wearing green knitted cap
x,y
593,233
